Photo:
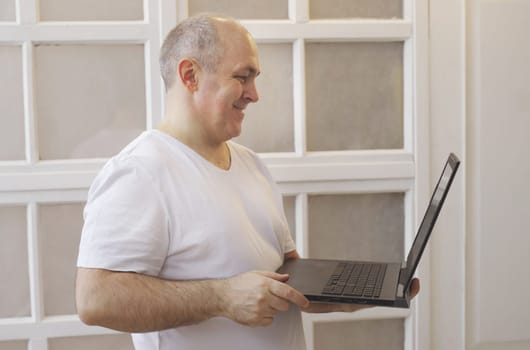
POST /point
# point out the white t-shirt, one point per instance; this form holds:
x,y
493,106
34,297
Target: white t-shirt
x,y
160,209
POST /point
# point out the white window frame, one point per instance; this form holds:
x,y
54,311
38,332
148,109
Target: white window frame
x,y
298,173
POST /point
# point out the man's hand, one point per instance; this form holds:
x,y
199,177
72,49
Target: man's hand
x,y
414,288
254,298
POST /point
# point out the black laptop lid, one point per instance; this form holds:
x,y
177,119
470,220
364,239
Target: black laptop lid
x,y
437,200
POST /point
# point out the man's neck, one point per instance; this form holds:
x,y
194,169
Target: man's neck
x,y
216,153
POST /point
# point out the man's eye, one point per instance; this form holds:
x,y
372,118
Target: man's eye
x,y
241,78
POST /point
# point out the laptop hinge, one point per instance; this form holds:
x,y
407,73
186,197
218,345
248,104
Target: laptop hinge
x,y
400,289
403,276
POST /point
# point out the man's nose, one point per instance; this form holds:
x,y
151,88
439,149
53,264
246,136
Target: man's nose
x,y
251,93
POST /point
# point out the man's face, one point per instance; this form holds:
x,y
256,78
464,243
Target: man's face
x,y
224,95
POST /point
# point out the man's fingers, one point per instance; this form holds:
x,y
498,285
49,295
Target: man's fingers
x,y
275,276
278,304
414,287
289,293
284,291
266,321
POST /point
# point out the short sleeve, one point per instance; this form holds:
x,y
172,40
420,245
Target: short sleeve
x,y
125,227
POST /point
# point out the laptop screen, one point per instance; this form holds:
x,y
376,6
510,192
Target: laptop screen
x,y
437,199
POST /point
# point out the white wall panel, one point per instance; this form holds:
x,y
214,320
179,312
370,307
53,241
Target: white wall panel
x,y
14,345
7,10
356,9
364,334
90,10
11,103
447,128
248,9
90,99
14,277
499,200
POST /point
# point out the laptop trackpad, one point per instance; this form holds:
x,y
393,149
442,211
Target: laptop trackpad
x,y
308,276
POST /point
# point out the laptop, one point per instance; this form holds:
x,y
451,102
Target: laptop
x,y
369,282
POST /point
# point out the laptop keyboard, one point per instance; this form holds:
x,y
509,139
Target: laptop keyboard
x,y
356,279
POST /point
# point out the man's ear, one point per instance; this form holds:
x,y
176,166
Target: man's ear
x,y
188,74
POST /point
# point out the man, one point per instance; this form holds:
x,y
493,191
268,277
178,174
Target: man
x,y
183,227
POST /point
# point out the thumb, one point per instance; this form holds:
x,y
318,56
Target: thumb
x,y
282,277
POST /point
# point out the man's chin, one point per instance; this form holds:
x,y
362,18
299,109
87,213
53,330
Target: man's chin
x,y
233,135
232,132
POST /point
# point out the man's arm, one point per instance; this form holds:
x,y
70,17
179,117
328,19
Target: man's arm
x,y
136,303
329,307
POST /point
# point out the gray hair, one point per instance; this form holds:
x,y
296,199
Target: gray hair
x,y
195,37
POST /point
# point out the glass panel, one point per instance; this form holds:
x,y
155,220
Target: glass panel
x,y
59,233
354,96
14,345
11,104
91,10
357,226
269,124
319,9
100,342
247,9
7,10
360,335
91,99
14,273
290,213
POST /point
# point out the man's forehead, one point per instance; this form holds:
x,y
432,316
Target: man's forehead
x,y
229,27
242,57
